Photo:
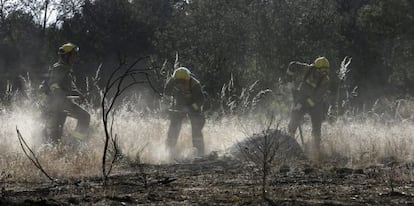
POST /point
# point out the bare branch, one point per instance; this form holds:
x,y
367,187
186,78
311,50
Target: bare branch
x,y
263,149
116,84
32,157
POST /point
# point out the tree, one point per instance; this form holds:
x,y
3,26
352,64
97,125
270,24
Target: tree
x,y
388,23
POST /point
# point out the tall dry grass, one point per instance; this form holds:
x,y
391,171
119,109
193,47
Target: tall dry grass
x,y
142,135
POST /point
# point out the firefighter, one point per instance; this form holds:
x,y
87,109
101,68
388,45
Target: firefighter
x,y
61,90
309,84
186,96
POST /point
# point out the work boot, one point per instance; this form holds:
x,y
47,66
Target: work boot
x,y
196,153
315,153
172,154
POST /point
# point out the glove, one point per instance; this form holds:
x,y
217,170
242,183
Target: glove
x,y
53,87
195,107
297,106
310,102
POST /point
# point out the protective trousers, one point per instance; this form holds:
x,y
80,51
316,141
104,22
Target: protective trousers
x,y
317,114
59,109
197,124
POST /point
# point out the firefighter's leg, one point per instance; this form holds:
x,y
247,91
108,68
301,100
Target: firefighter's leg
x,y
54,126
295,117
317,115
197,124
174,130
82,116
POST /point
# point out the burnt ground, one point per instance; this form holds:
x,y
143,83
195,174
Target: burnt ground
x,y
222,181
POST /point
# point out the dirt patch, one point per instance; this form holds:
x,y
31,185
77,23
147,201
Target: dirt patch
x,y
221,181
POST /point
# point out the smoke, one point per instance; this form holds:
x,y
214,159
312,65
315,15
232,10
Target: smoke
x,y
142,138
26,119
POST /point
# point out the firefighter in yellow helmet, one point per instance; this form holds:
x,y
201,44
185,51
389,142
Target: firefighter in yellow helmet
x,y
310,90
187,99
61,90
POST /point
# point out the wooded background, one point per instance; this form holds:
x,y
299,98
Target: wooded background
x,y
248,39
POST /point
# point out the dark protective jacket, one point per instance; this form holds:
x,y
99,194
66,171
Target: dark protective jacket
x,y
61,81
311,86
190,97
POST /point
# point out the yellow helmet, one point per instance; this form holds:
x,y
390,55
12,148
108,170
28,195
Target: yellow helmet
x,y
181,73
68,48
321,62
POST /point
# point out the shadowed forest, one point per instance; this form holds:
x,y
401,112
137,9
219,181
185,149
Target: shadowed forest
x,y
240,51
247,40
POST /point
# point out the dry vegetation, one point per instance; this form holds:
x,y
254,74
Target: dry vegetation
x,y
383,150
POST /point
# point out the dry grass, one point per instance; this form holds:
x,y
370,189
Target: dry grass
x,y
370,142
139,135
352,143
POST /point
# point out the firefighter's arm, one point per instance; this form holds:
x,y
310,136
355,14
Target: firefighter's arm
x,y
293,68
168,90
290,72
198,97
